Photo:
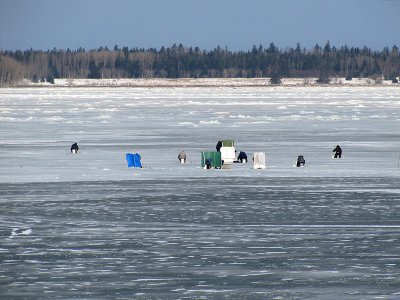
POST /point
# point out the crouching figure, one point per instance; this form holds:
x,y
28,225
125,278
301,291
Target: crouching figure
x,y
300,161
74,148
182,157
242,157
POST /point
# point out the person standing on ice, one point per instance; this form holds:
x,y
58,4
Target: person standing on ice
x,y
182,157
218,146
338,152
74,148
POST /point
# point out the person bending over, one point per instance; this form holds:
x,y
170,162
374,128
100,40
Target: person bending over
x,y
242,157
74,148
182,156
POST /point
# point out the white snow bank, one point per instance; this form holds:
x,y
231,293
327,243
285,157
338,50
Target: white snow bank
x,y
202,82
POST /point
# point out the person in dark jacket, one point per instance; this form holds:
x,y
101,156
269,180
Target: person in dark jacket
x,y
338,152
208,163
74,148
300,161
218,146
242,157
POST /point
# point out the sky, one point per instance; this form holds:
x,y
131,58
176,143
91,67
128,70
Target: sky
x,y
236,24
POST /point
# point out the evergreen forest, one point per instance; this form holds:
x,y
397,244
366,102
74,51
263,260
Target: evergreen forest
x,y
178,61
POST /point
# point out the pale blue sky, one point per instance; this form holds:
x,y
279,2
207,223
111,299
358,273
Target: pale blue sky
x,y
237,24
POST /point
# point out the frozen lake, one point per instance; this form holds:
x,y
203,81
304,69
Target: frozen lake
x,y
86,226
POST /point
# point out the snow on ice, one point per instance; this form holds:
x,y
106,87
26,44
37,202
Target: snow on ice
x,y
86,226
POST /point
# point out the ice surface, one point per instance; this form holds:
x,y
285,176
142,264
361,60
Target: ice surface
x,y
86,226
38,125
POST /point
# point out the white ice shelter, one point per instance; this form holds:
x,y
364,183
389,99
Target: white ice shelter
x,y
259,160
227,150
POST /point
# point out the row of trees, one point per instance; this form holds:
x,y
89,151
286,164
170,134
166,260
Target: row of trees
x,y
182,62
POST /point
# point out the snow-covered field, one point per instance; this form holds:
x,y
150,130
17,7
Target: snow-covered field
x,y
86,226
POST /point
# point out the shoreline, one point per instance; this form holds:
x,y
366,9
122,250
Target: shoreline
x,y
203,82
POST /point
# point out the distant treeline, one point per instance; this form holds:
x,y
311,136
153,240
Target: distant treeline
x,y
182,62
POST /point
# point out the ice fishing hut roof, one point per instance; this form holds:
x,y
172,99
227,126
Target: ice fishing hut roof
x,y
228,143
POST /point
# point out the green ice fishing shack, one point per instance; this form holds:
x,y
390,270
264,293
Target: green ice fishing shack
x,y
212,159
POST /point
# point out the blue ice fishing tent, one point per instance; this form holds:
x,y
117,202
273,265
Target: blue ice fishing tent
x,y
134,160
